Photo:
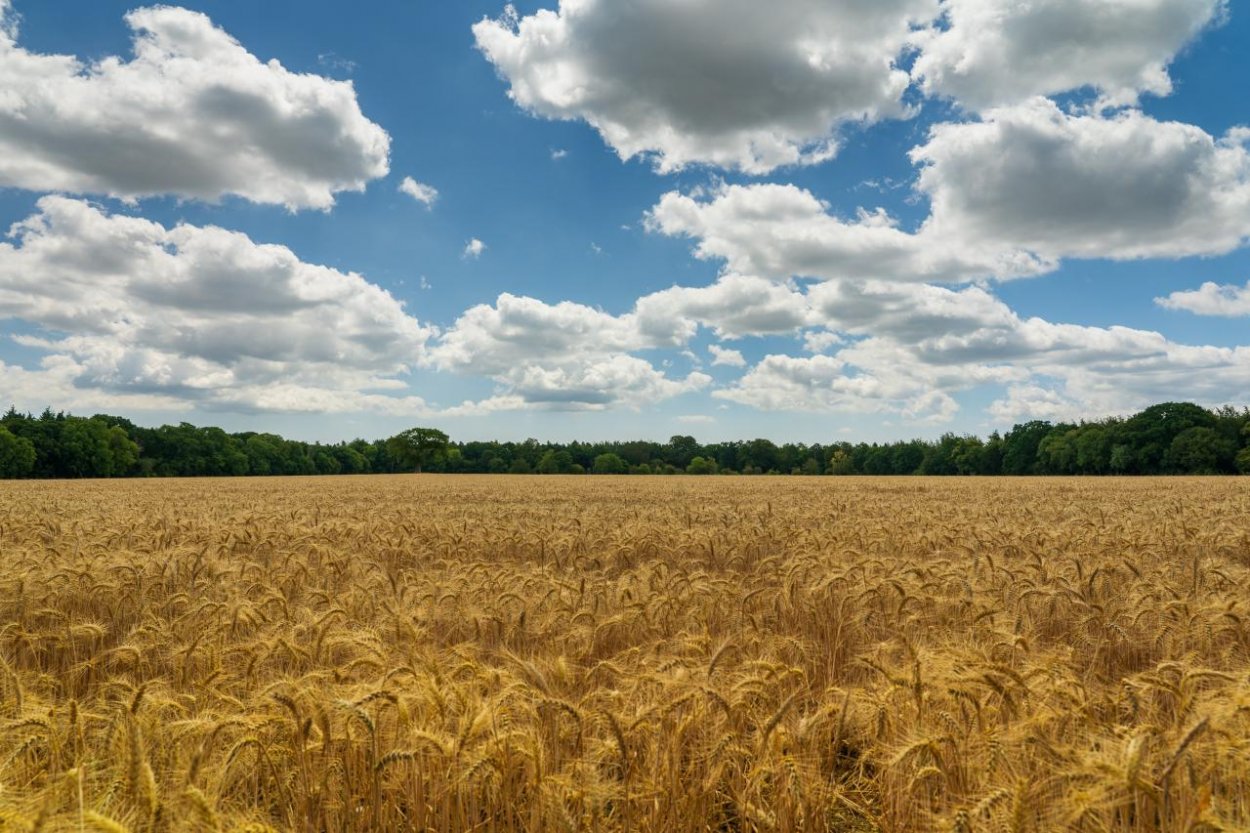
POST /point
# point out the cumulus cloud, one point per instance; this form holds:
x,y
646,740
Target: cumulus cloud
x,y
1036,179
1012,192
54,379
907,313
127,310
740,84
473,249
596,384
818,341
734,83
990,52
1210,299
733,307
425,194
563,356
908,349
1010,196
492,339
1034,401
885,347
827,383
726,357
192,114
780,231
202,315
573,356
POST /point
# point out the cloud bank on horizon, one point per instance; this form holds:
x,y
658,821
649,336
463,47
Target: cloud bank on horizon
x,y
1034,136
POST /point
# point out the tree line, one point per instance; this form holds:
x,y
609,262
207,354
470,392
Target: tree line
x,y
1169,438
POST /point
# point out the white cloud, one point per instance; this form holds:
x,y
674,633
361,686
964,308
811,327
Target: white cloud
x,y
193,114
1210,299
1205,374
826,383
558,153
905,349
202,315
726,357
597,384
1010,196
565,356
901,348
1036,179
425,194
696,419
1011,193
492,339
819,341
991,52
753,86
907,312
473,249
780,231
909,349
1033,401
734,306
734,83
54,383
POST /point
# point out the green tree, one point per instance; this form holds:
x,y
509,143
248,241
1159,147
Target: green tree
x,y
1200,450
1056,453
681,449
85,448
350,460
761,454
1020,447
609,464
555,462
969,455
1121,458
1093,450
326,462
1152,432
879,461
17,455
264,454
418,448
124,450
906,457
939,458
701,465
841,462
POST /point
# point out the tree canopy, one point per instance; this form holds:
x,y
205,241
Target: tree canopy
x,y
419,448
1169,438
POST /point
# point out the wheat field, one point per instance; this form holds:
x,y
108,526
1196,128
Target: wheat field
x,y
625,654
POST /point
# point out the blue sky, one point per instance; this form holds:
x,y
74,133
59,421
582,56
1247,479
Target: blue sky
x,y
1018,222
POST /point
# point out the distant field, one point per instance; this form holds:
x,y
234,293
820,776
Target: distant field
x,y
633,654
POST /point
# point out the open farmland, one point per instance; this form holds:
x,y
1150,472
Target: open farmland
x,y
611,654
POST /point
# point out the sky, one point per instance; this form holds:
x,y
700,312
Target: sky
x,y
806,220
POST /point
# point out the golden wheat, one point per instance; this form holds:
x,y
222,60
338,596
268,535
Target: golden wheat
x,y
598,654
